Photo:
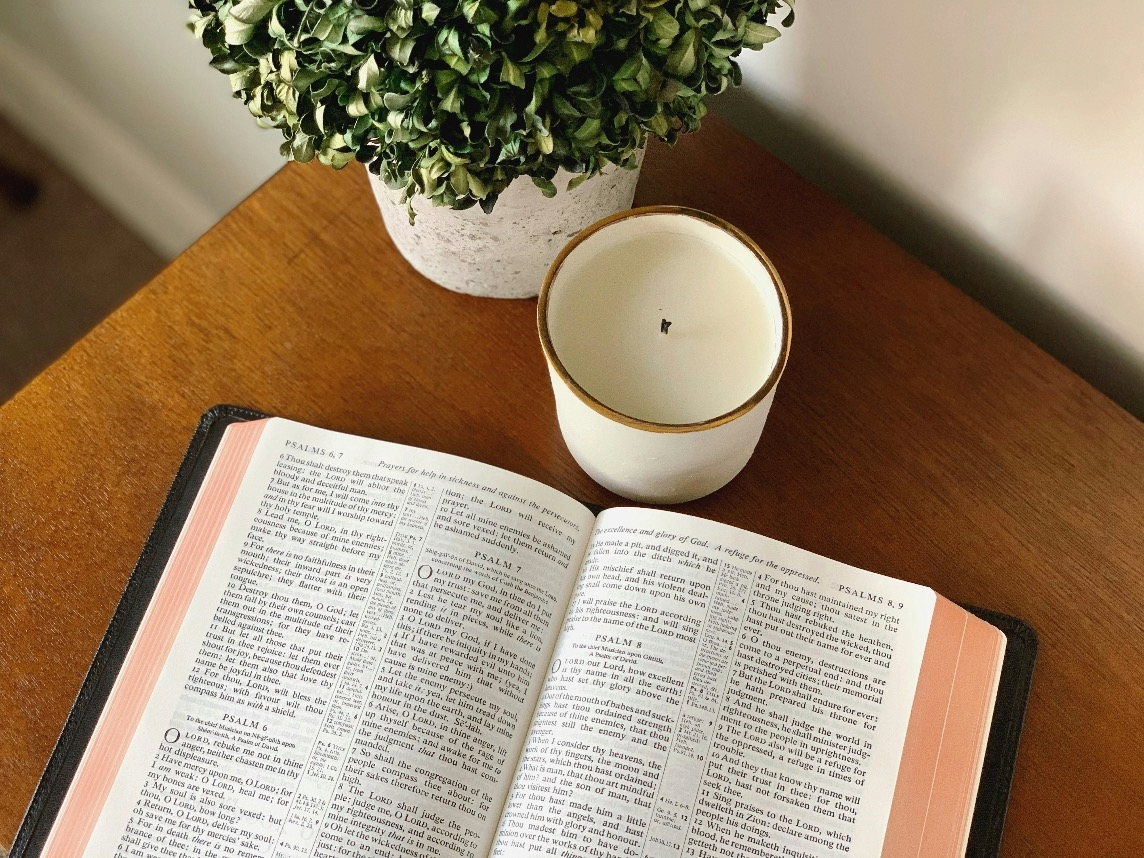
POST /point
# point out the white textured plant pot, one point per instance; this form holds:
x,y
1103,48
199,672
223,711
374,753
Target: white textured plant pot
x,y
504,254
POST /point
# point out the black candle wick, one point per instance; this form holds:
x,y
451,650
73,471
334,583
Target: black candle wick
x,y
664,325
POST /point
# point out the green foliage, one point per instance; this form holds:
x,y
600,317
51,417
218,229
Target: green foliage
x,y
453,99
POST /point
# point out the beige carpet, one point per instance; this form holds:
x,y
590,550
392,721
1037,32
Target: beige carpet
x,y
65,264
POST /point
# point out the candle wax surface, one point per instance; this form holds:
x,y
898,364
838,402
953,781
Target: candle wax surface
x,y
605,316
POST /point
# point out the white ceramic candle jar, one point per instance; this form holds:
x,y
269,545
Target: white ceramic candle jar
x,y
666,330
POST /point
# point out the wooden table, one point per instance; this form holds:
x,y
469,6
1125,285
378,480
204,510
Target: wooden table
x,y
913,434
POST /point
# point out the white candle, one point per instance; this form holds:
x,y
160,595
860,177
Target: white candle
x,y
666,331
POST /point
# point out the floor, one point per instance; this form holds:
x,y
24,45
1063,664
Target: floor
x,y
65,262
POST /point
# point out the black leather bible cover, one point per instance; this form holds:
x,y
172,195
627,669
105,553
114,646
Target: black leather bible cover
x,y
1004,734
96,688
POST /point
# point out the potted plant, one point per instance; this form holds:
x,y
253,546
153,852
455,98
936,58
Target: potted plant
x,y
449,102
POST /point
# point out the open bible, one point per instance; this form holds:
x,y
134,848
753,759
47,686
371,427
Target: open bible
x,y
335,646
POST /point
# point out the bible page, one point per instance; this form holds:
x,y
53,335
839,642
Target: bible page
x,y
718,693
355,670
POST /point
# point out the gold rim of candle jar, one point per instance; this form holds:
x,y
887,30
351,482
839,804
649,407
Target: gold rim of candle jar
x,y
636,422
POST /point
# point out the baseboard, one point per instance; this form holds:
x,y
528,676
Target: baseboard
x,y
114,168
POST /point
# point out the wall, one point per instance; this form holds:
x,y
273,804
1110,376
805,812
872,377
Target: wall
x,y
122,95
1001,143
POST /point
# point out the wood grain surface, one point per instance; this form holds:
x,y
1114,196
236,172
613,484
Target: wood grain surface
x,y
913,434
